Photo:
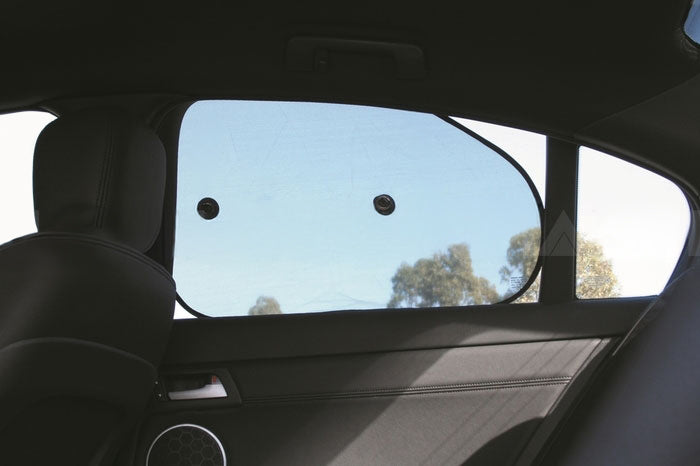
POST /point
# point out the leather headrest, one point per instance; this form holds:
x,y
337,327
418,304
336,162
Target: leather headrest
x,y
102,172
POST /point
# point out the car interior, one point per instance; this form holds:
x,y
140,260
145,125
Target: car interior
x,y
368,233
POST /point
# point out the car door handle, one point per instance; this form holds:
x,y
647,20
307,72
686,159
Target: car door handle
x,y
312,54
213,389
213,385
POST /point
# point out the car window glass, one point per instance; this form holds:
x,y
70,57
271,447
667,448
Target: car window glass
x,y
527,148
530,151
692,22
18,134
632,226
290,207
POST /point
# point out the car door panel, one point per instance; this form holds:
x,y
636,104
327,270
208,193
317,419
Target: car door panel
x,y
387,387
295,335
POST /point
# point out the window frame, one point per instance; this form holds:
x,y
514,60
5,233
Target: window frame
x,y
558,287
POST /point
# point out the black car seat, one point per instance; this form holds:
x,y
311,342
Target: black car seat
x,y
644,409
84,314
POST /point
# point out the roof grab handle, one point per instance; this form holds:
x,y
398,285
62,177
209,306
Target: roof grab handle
x,y
312,54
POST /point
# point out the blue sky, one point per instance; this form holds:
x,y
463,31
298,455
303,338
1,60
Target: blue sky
x,y
295,182
692,22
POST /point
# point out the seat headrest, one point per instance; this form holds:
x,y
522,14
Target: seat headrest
x,y
101,172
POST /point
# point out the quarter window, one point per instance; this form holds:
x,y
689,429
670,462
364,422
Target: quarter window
x,y
632,227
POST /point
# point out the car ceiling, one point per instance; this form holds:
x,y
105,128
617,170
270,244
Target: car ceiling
x,y
598,71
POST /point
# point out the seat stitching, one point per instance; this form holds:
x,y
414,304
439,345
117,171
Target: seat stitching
x,y
103,191
419,390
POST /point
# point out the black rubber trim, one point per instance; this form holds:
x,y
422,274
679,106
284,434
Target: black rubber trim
x,y
187,307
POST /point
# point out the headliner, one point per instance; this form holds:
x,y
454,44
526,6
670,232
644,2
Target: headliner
x,y
614,73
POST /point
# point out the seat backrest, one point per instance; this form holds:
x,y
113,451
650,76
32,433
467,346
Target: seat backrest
x,y
84,314
643,409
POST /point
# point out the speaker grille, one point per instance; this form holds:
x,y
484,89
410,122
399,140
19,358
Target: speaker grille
x,y
186,445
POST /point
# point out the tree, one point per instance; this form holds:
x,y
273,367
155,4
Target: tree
x,y
265,305
594,273
521,258
445,279
448,279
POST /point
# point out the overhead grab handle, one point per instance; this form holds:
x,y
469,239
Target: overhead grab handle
x,y
313,54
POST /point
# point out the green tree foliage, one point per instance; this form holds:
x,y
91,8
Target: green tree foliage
x,y
265,305
521,257
445,279
594,273
448,279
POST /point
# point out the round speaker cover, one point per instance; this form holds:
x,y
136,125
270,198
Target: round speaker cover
x,y
186,445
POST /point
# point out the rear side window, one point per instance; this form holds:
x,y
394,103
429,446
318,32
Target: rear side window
x,y
302,207
18,134
632,227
